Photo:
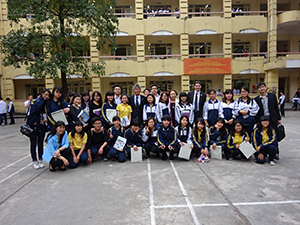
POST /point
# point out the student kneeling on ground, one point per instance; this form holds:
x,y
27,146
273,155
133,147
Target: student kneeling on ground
x,y
264,141
167,138
218,135
57,150
113,133
134,138
77,141
97,143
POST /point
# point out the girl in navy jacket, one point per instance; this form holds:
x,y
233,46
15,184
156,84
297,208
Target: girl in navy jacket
x,y
218,135
200,140
150,109
167,138
109,104
162,107
149,135
184,107
264,141
227,106
133,136
235,138
184,132
113,133
212,109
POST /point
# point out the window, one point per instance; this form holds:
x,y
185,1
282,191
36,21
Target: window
x,y
83,50
206,85
241,47
238,83
121,50
126,87
122,9
163,85
79,86
34,89
200,48
244,7
160,49
200,9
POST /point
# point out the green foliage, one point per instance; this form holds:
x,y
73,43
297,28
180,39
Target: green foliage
x,y
58,36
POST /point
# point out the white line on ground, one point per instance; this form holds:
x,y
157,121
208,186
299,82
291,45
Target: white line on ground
x,y
14,163
15,173
267,203
151,196
189,204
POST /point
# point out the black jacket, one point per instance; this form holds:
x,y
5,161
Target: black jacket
x,y
137,112
201,102
273,109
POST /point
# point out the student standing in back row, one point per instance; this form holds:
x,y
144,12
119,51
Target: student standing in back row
x,y
212,109
197,99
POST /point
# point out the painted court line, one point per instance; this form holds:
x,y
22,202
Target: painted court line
x,y
15,173
267,203
14,163
184,192
151,196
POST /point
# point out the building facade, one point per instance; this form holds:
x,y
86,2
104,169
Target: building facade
x,y
261,39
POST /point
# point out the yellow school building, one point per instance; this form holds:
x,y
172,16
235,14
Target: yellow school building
x,y
260,40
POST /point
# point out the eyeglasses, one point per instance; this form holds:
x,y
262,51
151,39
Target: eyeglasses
x,y
97,123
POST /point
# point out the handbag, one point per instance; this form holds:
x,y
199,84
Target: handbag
x,y
280,132
26,130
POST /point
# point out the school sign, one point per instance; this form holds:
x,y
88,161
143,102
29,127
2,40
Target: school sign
x,y
206,66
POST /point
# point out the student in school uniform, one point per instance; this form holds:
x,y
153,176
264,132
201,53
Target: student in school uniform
x,y
97,143
167,138
117,94
10,110
150,109
95,106
184,132
281,103
77,142
154,91
235,138
184,107
75,110
162,106
218,135
57,150
109,104
264,141
227,106
212,109
133,136
85,101
124,109
173,102
149,135
55,103
200,140
113,133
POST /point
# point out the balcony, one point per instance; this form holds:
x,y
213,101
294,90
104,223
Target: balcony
x,y
205,25
248,63
163,65
120,66
289,16
258,23
289,22
171,24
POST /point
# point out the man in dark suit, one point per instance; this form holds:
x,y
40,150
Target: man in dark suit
x,y
268,106
137,103
197,99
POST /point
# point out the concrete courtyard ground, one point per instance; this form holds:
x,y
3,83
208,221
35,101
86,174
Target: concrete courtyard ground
x,y
151,192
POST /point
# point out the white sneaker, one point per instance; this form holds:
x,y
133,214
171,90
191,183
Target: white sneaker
x,y
36,165
41,164
272,163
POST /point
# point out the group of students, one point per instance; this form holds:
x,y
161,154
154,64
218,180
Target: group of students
x,y
160,123
3,111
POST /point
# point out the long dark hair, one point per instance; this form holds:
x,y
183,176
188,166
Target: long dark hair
x,y
71,94
222,131
248,98
75,96
77,123
83,103
228,91
100,100
183,94
151,131
199,120
161,95
110,93
260,127
60,102
233,128
53,131
187,125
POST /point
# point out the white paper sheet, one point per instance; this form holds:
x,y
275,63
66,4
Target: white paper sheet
x,y
59,115
185,152
247,149
136,156
110,113
216,153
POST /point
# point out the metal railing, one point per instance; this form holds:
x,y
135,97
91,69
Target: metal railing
x,y
125,57
212,55
250,13
162,56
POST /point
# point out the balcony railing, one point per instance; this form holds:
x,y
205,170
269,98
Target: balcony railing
x,y
168,14
213,55
202,14
178,56
125,57
250,13
250,54
283,54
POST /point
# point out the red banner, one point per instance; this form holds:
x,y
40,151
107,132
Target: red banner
x,y
207,66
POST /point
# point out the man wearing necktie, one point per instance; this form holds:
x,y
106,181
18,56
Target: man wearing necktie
x,y
137,103
197,98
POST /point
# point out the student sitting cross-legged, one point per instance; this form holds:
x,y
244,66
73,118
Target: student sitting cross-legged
x,y
149,135
264,141
167,138
218,135
235,138
97,143
184,132
134,138
113,133
200,140
77,141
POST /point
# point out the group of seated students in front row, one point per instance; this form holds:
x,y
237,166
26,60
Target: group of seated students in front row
x,y
65,149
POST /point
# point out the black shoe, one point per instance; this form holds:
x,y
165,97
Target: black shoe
x,y
171,156
276,157
105,159
51,169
